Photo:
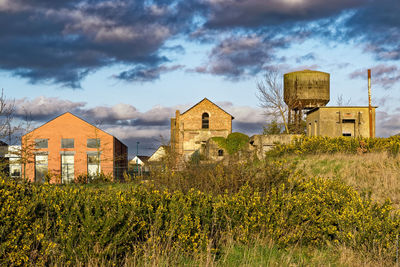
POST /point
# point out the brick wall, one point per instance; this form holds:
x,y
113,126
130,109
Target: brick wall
x,y
68,126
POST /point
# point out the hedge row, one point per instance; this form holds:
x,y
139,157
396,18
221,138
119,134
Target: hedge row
x,y
321,144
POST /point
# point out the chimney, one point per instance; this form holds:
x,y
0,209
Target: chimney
x,y
369,104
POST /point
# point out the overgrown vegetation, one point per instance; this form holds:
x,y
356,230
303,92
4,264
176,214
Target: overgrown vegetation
x,y
50,224
319,145
305,208
233,143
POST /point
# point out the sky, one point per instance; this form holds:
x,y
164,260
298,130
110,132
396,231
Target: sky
x,y
127,65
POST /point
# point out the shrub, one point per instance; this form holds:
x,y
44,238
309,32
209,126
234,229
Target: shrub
x,y
233,143
50,224
321,144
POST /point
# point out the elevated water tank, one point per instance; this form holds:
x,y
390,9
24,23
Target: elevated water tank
x,y
306,89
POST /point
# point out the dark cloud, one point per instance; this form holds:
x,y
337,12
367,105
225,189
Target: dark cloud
x,y
262,13
388,124
385,75
308,57
62,41
238,57
146,74
43,108
376,25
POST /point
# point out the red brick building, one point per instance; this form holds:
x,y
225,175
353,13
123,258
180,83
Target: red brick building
x,y
67,147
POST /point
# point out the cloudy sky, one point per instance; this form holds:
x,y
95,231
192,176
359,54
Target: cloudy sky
x,y
128,65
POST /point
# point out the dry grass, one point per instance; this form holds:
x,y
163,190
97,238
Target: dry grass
x,y
261,253
374,174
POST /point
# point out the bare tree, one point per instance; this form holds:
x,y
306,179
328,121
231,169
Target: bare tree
x,y
270,94
7,110
340,101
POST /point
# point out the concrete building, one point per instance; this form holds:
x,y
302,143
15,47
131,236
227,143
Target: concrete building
x,y
340,121
191,129
67,147
259,144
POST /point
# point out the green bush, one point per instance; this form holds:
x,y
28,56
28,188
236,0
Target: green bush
x,y
321,144
49,224
233,143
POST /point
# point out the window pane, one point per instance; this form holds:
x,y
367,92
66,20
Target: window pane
x,y
41,163
67,168
67,143
41,143
93,159
93,143
205,121
93,165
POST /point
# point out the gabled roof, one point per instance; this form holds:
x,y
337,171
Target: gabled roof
x,y
160,148
75,117
211,103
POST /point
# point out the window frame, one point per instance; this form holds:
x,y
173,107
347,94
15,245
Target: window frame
x,y
96,140
205,121
40,141
63,145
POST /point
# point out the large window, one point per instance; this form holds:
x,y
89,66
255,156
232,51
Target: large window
x,y
67,168
93,162
41,143
205,119
15,168
41,167
93,143
67,143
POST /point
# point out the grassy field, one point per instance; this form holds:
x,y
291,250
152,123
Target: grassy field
x,y
372,174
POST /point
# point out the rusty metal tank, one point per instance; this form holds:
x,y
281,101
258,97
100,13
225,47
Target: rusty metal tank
x,y
306,89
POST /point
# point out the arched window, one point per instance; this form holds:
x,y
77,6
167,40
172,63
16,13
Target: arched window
x,y
205,119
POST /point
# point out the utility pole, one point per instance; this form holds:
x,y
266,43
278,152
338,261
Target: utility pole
x,y
369,104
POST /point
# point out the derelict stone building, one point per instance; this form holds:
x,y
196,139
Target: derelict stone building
x,y
191,129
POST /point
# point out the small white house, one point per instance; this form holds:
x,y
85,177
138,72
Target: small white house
x,y
159,154
14,158
141,162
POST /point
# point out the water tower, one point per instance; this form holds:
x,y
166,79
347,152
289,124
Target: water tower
x,y
305,89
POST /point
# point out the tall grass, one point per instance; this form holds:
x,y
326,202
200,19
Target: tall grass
x,y
372,174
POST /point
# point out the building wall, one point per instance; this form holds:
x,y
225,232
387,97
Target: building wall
x,y
187,134
259,144
120,159
159,155
336,121
69,126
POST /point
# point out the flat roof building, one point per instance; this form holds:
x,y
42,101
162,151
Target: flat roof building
x,y
340,121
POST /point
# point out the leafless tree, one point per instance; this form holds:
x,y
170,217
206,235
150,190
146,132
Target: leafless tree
x,y
340,101
7,110
270,95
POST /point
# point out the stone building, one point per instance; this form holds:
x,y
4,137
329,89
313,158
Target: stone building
x,y
340,121
191,129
